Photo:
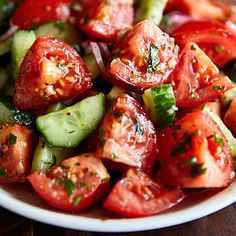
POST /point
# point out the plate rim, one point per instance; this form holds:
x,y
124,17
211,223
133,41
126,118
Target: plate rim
x,y
121,225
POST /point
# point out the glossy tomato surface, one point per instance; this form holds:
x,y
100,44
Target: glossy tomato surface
x,y
137,195
33,13
196,80
194,154
145,57
214,38
104,19
17,145
127,136
74,185
52,71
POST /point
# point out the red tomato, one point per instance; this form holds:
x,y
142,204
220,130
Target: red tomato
x,y
16,149
214,38
146,57
74,185
32,13
137,195
196,80
51,71
194,154
127,136
199,10
230,116
104,19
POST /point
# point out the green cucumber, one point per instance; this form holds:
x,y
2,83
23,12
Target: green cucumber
x,y
115,92
91,64
228,96
56,107
152,10
59,30
5,46
160,103
11,115
68,127
227,133
3,77
46,156
22,41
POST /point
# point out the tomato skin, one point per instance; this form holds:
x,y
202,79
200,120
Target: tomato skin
x,y
196,80
130,66
85,173
33,13
127,136
196,155
214,38
105,19
15,157
230,116
199,10
43,78
137,195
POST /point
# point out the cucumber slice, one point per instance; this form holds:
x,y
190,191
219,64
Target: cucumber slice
x,y
11,115
22,41
59,30
46,156
228,96
227,133
5,46
56,107
67,128
152,9
92,65
3,77
160,103
115,92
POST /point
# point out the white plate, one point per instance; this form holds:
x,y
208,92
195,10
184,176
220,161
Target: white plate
x,y
22,200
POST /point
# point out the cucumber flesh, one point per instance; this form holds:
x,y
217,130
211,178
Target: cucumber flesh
x,y
5,46
160,103
91,64
46,156
11,115
56,107
115,92
59,30
152,9
227,133
68,127
228,96
22,41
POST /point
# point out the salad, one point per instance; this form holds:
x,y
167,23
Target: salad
x,y
129,104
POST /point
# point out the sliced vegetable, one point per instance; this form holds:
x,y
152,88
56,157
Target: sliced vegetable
x,y
159,102
92,65
60,30
11,115
152,10
228,96
115,92
22,41
4,76
67,128
5,46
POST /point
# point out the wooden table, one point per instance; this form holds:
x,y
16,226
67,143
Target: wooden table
x,y
222,223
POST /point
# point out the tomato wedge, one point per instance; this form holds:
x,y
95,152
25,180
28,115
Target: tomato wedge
x,y
230,116
204,9
137,195
214,38
17,145
196,80
32,13
51,71
146,56
104,19
127,136
194,154
74,185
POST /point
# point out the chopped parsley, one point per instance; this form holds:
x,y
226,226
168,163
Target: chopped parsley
x,y
101,133
77,200
69,185
117,115
217,140
218,87
153,60
3,172
165,21
182,147
197,170
12,139
102,142
137,128
218,48
190,162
